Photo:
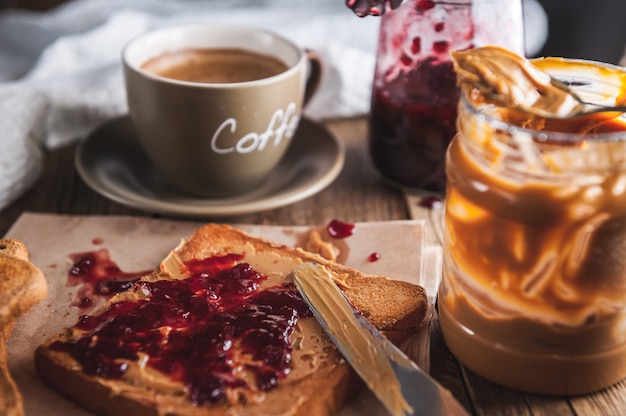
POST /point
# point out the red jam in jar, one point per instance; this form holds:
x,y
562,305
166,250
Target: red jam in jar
x,y
414,97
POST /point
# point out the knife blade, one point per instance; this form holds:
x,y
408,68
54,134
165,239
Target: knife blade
x,y
401,386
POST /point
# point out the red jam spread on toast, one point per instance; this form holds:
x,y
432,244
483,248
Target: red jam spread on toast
x,y
200,330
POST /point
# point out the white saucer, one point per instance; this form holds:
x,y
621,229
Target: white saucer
x,y
112,162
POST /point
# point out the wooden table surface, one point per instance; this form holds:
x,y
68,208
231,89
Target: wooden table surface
x,y
358,194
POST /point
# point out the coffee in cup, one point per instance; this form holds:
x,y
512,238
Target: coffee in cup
x,y
215,65
216,106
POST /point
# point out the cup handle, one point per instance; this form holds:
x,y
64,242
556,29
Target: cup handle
x,y
314,76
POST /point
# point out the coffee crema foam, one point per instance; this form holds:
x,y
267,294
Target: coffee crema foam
x,y
214,65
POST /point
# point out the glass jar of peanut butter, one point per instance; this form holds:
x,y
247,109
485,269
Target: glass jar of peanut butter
x,y
533,294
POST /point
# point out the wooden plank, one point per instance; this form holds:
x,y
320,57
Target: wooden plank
x,y
610,402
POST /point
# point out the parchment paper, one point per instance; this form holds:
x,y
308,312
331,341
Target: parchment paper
x,y
140,244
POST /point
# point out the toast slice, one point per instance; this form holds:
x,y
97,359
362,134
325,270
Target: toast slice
x,y
219,329
22,285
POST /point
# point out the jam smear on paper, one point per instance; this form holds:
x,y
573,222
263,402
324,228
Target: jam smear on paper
x,y
340,229
99,276
373,257
197,330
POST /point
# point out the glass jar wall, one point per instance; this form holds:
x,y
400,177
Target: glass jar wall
x,y
414,95
533,294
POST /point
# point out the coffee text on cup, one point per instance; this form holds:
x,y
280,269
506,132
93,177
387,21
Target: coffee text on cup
x,y
282,124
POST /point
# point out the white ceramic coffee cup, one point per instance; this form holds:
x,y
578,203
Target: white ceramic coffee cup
x,y
217,139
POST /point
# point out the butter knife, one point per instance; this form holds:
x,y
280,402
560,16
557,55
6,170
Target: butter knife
x,y
401,386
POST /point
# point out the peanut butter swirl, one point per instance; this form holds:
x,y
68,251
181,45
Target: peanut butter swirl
x,y
512,81
533,294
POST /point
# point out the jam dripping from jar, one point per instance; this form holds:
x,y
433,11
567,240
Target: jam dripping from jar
x,y
364,8
339,229
196,330
100,277
431,202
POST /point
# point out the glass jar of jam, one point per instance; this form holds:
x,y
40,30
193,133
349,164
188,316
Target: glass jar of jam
x,y
414,96
533,294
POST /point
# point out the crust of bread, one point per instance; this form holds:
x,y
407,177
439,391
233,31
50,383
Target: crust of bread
x,y
321,395
22,285
397,308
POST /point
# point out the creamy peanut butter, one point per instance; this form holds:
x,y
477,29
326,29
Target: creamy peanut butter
x,y
534,287
316,244
512,81
364,353
311,348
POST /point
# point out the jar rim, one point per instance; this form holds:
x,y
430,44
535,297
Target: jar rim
x,y
551,136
